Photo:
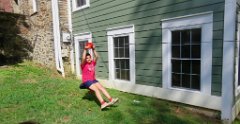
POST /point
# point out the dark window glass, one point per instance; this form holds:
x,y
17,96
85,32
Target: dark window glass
x,y
196,82
176,80
185,37
186,81
186,58
176,66
185,51
175,37
196,36
186,67
196,51
81,3
175,51
196,67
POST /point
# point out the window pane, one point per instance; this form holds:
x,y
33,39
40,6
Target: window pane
x,y
185,53
176,51
117,73
121,52
125,64
176,37
186,81
176,66
81,3
128,75
186,66
116,52
117,64
196,51
126,52
185,37
122,62
175,80
126,41
195,82
196,36
196,67
115,40
121,41
124,74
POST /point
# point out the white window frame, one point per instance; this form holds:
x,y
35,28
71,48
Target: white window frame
x,y
200,20
75,8
117,32
237,91
87,36
34,5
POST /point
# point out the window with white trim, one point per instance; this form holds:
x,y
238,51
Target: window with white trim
x,y
80,4
187,52
121,52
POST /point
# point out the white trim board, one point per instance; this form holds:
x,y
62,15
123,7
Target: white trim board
x,y
205,101
228,60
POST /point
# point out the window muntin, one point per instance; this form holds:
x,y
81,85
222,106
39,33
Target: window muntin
x,y
121,58
186,58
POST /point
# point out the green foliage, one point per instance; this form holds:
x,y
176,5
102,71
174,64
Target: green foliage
x,y
30,92
13,47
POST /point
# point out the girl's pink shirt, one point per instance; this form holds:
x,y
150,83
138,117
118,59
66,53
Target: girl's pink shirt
x,y
88,71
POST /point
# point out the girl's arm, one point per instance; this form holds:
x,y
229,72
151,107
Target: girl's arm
x,y
84,55
95,53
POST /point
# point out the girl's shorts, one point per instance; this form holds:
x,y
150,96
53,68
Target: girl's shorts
x,y
87,84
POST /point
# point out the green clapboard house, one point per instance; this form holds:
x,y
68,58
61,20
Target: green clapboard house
x,y
185,51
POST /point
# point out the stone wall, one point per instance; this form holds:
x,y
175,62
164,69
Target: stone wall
x,y
40,29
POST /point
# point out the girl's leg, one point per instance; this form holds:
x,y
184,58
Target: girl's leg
x,y
104,91
97,92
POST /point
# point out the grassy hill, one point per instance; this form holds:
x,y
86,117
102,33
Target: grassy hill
x,y
30,92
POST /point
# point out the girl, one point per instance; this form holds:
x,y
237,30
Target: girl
x,y
89,80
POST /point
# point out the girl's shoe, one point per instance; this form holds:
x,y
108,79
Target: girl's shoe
x,y
113,101
104,105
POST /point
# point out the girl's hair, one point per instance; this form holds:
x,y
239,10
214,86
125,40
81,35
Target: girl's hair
x,y
88,54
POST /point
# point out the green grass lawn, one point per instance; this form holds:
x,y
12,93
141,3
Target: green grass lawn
x,y
30,92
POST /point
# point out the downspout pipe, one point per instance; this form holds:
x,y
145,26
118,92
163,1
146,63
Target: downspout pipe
x,y
57,37
71,35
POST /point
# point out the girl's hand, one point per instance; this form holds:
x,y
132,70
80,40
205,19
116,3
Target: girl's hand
x,y
93,47
86,47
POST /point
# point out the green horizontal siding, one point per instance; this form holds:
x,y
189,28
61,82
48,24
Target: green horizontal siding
x,y
146,17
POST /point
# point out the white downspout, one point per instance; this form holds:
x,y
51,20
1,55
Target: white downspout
x,y
56,35
72,40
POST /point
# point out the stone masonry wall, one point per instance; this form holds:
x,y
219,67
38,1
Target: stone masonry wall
x,y
40,31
